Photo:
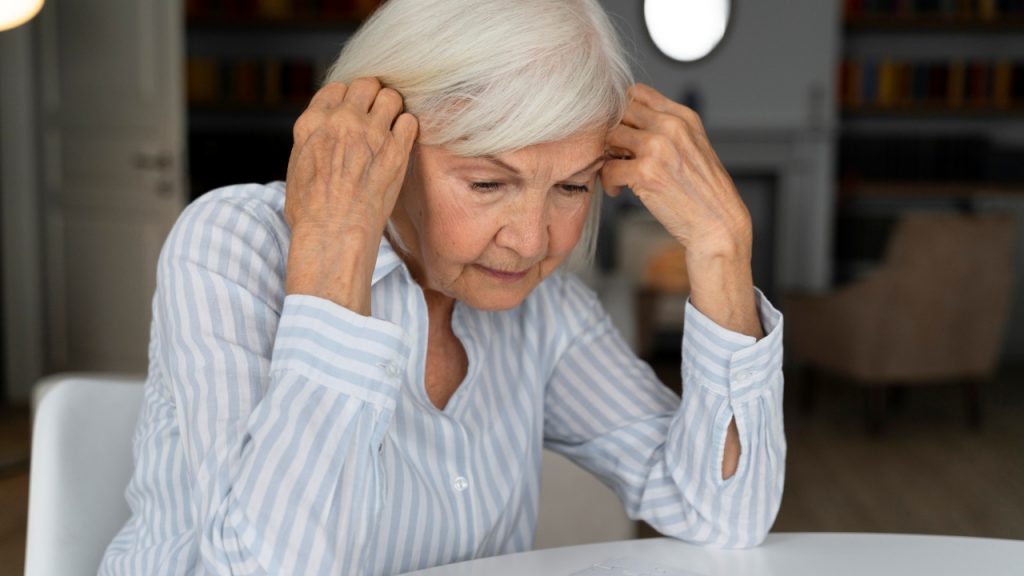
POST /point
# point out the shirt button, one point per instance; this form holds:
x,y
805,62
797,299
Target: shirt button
x,y
392,370
460,483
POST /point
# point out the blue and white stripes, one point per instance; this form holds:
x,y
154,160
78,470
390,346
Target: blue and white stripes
x,y
288,435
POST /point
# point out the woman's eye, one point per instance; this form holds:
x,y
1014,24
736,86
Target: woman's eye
x,y
573,189
486,186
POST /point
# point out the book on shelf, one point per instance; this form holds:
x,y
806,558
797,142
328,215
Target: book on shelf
x,y
266,83
955,83
202,81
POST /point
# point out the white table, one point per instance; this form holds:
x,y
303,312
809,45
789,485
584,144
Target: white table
x,y
782,554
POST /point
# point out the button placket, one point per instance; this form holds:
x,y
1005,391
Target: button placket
x,y
391,369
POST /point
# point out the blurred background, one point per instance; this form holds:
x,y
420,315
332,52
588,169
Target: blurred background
x,y
879,145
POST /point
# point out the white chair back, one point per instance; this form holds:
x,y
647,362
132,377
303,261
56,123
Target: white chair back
x,y
81,465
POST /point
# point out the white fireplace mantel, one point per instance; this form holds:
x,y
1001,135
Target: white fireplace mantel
x,y
803,163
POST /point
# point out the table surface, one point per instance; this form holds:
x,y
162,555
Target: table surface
x,y
782,554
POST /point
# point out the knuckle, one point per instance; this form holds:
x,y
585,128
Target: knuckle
x,y
344,122
305,125
679,127
646,170
334,87
328,94
659,144
691,116
390,96
368,81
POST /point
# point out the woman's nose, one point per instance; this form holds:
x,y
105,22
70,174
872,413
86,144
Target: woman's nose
x,y
525,230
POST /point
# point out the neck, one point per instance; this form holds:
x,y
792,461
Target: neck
x,y
439,306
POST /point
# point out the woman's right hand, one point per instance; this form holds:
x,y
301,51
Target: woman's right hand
x,y
352,147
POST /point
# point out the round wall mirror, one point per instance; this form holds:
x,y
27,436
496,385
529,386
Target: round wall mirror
x,y
686,30
14,13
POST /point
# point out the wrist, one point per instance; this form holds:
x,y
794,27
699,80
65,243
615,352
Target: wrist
x,y
723,243
719,253
719,273
723,290
334,267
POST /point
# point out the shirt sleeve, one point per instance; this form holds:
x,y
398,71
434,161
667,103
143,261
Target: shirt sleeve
x,y
606,410
282,408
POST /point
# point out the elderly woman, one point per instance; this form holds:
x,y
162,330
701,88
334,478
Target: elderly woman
x,y
356,371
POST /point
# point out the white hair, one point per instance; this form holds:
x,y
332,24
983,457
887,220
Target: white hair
x,y
485,77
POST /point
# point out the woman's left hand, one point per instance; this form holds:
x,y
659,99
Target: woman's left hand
x,y
660,150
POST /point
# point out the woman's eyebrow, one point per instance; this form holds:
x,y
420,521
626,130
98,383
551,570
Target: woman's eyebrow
x,y
596,161
501,164
513,170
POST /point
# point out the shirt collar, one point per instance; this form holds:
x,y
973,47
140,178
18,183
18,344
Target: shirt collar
x,y
387,261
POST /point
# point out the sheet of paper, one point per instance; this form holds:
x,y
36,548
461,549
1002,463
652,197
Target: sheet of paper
x,y
630,566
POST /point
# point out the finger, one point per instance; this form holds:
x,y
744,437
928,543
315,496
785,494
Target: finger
x,y
639,115
397,149
386,107
405,131
396,153
615,174
655,100
362,93
329,96
624,141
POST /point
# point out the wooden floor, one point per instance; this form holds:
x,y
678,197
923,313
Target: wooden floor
x,y
14,450
926,474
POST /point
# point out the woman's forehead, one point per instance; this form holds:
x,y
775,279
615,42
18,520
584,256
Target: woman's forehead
x,y
558,165
582,149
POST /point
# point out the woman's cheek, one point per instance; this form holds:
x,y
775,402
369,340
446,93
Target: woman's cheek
x,y
464,225
576,209
567,226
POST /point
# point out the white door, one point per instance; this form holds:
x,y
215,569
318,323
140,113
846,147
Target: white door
x,y
113,172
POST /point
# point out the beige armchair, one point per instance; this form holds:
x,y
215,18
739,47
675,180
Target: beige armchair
x,y
935,312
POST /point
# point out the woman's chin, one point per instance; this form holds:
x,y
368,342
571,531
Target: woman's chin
x,y
496,299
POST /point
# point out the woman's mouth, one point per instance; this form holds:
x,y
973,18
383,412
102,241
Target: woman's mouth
x,y
502,275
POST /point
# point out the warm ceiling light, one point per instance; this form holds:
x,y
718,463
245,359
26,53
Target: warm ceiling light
x,y
14,13
686,30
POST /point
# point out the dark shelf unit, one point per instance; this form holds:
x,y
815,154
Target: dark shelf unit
x,y
869,204
933,23
934,111
250,76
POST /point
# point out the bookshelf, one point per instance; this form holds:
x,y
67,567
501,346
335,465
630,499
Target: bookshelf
x,y
931,104
251,68
909,21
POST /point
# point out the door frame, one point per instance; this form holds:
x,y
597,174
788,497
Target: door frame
x,y
20,214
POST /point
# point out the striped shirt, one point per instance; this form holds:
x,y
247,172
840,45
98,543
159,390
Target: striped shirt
x,y
289,435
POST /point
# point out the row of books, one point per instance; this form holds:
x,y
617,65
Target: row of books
x,y
958,83
950,158
254,83
967,9
198,10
